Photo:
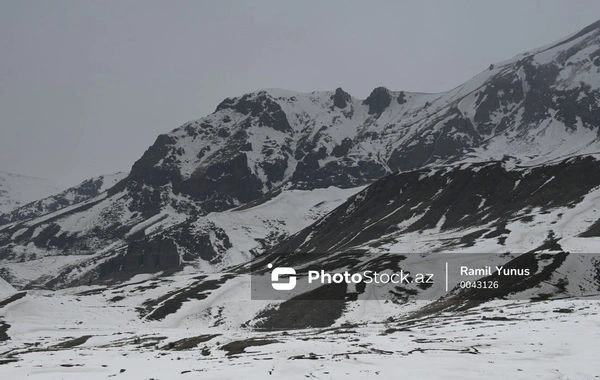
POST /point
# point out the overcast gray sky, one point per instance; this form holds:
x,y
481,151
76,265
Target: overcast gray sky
x,y
86,86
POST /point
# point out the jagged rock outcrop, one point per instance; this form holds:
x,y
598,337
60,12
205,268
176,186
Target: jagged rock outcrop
x,y
379,99
341,98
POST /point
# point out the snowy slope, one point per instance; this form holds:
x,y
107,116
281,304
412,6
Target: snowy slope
x,y
486,207
253,230
17,190
5,288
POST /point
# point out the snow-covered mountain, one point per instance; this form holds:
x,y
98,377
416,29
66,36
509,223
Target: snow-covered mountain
x,y
537,108
49,203
17,190
120,272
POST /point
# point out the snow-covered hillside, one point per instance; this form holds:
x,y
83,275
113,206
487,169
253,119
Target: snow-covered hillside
x,y
484,207
17,190
224,239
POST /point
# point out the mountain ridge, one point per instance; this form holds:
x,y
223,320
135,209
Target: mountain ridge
x,y
539,107
17,190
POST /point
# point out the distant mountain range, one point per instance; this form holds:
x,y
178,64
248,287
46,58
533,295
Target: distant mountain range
x,y
58,199
17,190
506,153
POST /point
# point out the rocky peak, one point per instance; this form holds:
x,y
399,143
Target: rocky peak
x,y
379,99
260,105
341,98
401,99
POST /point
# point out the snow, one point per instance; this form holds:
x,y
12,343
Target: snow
x,y
5,288
534,341
37,268
287,213
17,190
109,180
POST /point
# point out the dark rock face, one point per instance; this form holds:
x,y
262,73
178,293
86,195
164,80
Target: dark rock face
x,y
581,103
456,135
50,237
90,187
275,170
448,143
570,104
167,252
216,187
306,170
149,256
342,149
500,95
3,329
146,180
200,244
224,184
401,99
410,157
145,171
378,100
310,174
341,98
538,101
247,147
264,107
319,308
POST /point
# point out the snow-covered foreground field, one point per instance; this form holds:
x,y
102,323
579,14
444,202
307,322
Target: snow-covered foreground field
x,y
92,334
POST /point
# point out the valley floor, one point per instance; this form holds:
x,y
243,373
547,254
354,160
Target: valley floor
x,y
74,336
